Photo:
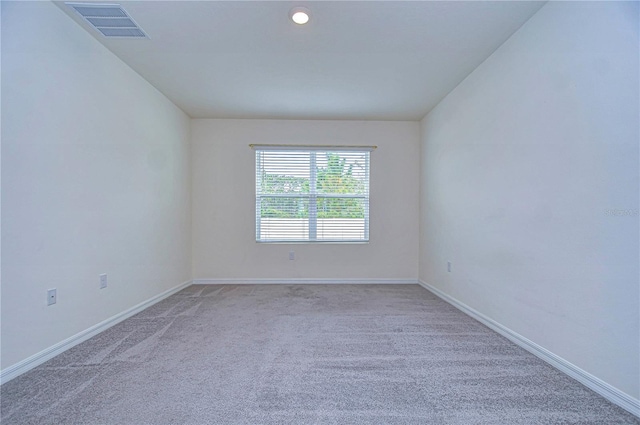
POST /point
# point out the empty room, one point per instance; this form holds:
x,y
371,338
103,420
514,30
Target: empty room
x,y
320,212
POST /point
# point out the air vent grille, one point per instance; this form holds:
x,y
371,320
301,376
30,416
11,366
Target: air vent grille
x,y
111,20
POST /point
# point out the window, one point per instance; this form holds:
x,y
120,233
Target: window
x,y
312,194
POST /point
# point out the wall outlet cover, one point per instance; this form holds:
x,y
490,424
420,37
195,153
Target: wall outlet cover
x,y
52,296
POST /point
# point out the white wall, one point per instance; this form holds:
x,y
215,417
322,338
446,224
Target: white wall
x,y
224,202
95,179
520,165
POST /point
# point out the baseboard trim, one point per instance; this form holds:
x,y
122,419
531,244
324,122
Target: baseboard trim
x,y
607,391
37,359
302,281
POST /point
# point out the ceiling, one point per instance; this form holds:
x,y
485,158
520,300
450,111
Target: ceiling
x,y
388,60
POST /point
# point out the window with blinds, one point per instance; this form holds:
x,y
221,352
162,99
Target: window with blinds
x,y
312,194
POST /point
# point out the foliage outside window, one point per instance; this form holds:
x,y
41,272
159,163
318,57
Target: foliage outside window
x,y
312,195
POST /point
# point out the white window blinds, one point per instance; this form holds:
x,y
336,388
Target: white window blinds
x,y
312,194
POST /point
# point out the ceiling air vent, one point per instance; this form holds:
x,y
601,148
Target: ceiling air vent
x,y
110,19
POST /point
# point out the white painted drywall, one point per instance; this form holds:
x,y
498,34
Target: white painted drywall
x,y
224,243
95,179
522,165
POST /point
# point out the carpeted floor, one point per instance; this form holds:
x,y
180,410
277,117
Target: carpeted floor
x,y
307,354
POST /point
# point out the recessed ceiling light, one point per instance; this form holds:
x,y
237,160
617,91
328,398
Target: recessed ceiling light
x,y
300,15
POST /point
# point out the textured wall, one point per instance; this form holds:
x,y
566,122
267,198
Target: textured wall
x,y
95,179
530,188
224,201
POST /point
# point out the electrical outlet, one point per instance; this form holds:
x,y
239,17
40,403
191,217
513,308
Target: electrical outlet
x,y
103,281
292,255
52,296
449,266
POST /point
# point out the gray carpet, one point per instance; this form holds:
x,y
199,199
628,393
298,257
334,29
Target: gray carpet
x,y
308,354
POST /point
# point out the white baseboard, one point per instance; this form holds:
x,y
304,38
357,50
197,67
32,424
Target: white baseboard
x,y
37,359
607,391
303,281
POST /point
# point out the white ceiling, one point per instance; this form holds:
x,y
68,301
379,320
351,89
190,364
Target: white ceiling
x,y
390,60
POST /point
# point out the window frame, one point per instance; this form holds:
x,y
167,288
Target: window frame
x,y
313,195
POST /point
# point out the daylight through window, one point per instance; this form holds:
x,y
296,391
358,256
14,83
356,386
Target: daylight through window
x,y
312,194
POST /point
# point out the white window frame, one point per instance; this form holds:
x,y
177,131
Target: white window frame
x,y
312,196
